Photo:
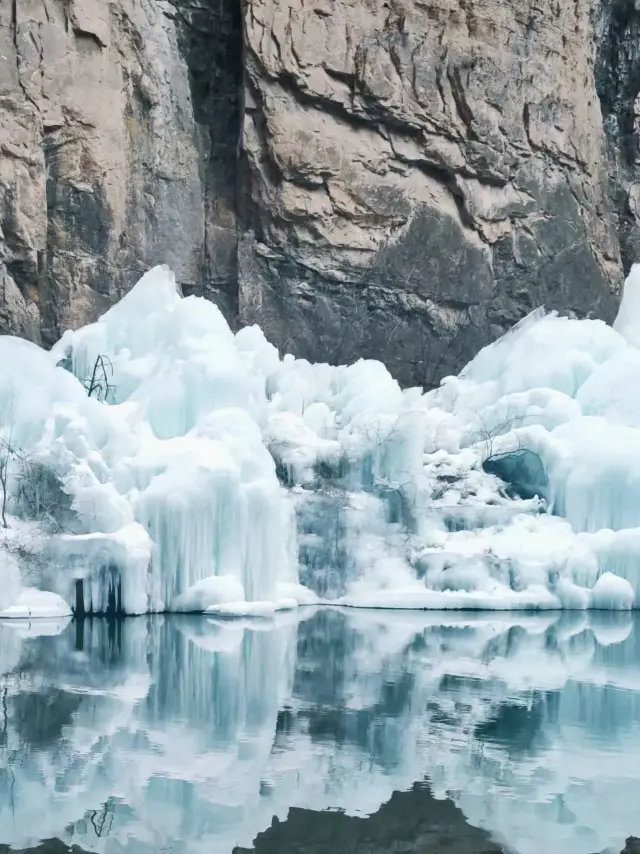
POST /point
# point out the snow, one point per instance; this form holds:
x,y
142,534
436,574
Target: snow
x,y
210,592
243,609
10,587
34,604
210,473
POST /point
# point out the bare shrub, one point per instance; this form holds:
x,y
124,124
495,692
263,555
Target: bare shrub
x,y
34,488
5,459
518,466
98,385
39,492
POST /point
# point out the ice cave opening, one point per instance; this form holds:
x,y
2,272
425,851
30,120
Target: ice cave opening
x,y
156,461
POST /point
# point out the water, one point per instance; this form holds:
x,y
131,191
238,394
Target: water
x,y
417,732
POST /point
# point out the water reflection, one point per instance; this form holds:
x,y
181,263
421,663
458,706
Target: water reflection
x,y
195,735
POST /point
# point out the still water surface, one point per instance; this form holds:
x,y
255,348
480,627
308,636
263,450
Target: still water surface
x,y
323,732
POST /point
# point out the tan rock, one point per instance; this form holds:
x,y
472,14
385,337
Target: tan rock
x,y
90,126
349,173
452,130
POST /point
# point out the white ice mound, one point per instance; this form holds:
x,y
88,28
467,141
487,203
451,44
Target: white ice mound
x,y
188,468
167,478
413,514
34,604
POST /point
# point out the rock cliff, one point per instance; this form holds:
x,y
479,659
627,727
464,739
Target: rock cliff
x,y
392,178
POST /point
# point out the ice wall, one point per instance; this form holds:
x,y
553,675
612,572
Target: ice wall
x,y
174,501
202,468
514,485
412,517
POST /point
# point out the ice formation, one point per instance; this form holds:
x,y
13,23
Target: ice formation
x,y
33,604
205,472
168,485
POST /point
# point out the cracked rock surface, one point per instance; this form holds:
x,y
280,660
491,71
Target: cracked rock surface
x,y
401,179
420,166
104,156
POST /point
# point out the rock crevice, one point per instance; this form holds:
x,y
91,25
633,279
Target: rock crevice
x,y
401,179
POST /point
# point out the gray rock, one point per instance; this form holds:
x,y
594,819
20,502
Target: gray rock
x,y
421,175
400,179
101,171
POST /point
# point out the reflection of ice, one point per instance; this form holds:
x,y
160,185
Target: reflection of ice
x,y
193,733
39,627
174,719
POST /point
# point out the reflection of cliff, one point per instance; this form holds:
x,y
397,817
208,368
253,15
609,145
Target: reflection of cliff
x,y
210,737
409,821
49,846
446,832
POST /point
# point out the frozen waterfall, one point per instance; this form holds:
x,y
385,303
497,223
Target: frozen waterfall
x,y
205,472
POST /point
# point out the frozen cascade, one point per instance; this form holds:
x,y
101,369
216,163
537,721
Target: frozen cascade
x,y
207,472
420,517
174,501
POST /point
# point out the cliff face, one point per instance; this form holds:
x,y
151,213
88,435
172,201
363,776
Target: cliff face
x,y
108,159
392,178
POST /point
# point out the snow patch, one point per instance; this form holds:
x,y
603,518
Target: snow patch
x,y
34,604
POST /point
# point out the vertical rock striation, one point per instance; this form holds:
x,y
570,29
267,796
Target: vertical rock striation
x,y
400,179
104,158
616,32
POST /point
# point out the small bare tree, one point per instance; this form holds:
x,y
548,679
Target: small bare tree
x,y
39,493
36,488
5,459
506,462
98,385
7,454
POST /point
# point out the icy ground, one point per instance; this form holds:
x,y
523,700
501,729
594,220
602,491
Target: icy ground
x,y
204,472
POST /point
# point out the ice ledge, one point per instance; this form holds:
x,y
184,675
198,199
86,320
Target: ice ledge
x,y
34,604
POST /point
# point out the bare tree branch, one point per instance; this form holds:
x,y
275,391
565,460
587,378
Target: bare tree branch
x,y
98,385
